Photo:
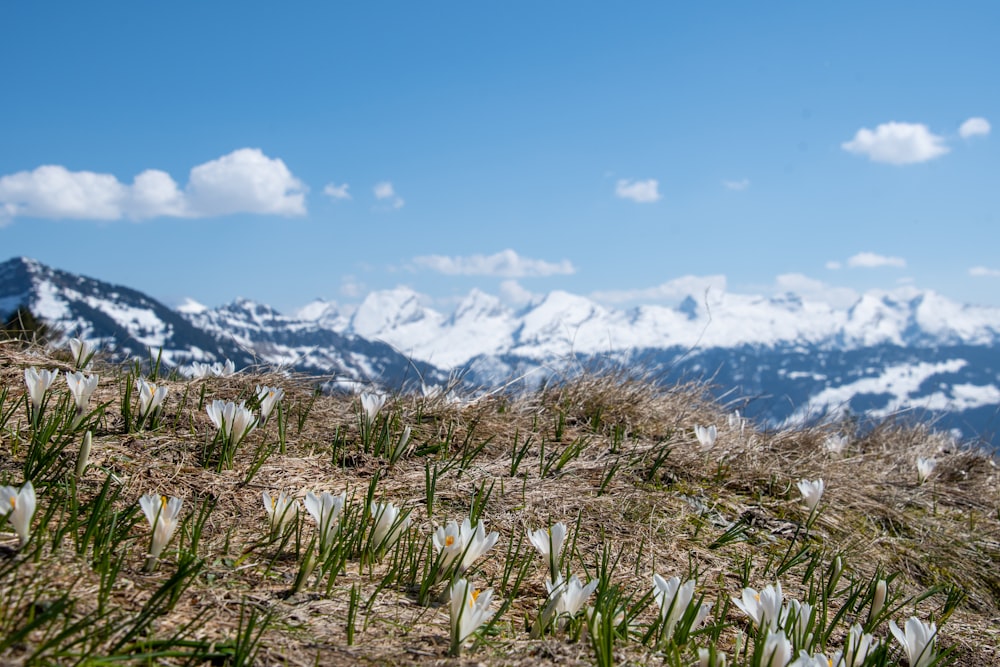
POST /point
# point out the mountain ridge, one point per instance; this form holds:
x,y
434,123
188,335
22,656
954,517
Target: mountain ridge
x,y
127,323
818,360
561,323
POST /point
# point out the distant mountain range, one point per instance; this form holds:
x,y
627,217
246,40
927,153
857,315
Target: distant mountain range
x,y
129,323
904,351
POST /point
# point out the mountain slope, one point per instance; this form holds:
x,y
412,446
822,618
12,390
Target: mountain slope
x,y
123,320
129,323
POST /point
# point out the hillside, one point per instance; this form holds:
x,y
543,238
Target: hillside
x,y
612,456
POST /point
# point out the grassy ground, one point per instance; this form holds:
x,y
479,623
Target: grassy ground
x,y
612,456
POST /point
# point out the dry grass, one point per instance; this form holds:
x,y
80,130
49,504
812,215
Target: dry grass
x,y
660,515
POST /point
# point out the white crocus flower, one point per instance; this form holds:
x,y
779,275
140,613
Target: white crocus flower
x,y
268,397
917,641
462,544
777,650
549,544
244,423
82,351
566,598
736,421
450,542
371,404
834,444
800,613
38,382
150,397
673,599
199,370
20,504
707,659
280,510
162,513
326,509
469,610
857,647
811,492
82,387
478,544
217,413
223,370
764,608
706,435
925,468
234,421
389,525
814,660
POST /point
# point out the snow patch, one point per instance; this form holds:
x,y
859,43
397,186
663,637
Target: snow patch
x,y
191,307
901,382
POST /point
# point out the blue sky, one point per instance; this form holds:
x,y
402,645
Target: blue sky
x,y
622,150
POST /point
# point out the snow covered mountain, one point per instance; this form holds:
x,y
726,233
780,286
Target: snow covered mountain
x,y
125,321
778,359
903,352
561,324
129,323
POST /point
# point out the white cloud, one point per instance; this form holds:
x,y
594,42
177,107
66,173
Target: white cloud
x,y
506,263
244,181
385,191
815,290
514,293
741,184
335,191
897,143
834,265
643,192
870,260
155,193
52,191
672,291
974,127
984,272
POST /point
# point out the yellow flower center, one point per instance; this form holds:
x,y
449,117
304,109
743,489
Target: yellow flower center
x,y
475,594
13,503
163,502
757,596
450,540
274,502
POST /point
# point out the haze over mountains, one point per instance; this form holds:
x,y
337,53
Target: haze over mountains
x,y
774,358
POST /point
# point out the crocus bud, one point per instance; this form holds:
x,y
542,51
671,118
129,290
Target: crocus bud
x,y
81,460
305,571
835,569
879,600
